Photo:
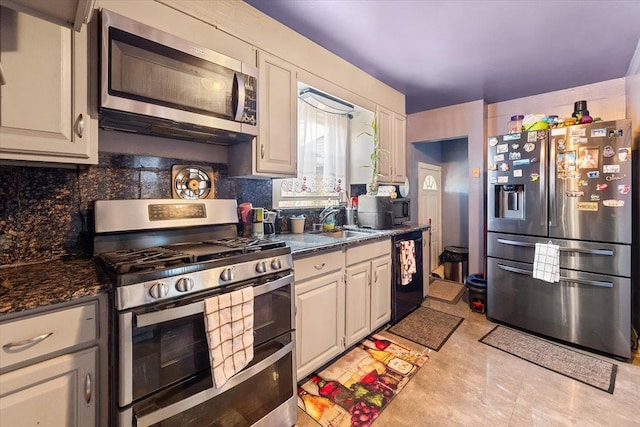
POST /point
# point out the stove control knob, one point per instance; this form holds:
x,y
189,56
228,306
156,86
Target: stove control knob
x,y
185,284
227,274
158,290
276,264
261,267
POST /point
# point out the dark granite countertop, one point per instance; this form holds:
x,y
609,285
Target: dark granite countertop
x,y
309,243
33,286
38,285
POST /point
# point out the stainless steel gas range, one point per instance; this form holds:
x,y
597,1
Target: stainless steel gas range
x,y
166,258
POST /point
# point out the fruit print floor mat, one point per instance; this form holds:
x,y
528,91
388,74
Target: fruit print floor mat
x,y
359,385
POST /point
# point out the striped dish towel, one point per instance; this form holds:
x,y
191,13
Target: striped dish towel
x,y
229,327
546,262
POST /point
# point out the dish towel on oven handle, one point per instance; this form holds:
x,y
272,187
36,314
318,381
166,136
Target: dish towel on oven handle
x,y
546,262
229,328
407,261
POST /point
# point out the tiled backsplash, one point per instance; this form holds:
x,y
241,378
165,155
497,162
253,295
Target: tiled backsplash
x,y
47,212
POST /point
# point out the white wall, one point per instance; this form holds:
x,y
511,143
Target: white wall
x,y
458,121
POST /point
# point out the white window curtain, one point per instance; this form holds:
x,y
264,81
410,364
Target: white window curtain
x,y
322,147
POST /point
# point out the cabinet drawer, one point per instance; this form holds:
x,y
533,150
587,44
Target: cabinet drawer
x,y
316,265
367,251
25,339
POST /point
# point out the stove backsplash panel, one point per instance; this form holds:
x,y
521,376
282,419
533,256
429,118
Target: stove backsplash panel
x,y
46,213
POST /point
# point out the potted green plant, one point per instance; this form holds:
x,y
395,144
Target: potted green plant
x,y
376,153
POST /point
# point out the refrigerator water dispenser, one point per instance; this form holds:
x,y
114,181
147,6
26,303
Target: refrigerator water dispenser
x,y
509,201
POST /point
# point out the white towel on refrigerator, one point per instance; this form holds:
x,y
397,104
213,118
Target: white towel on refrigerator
x,y
546,262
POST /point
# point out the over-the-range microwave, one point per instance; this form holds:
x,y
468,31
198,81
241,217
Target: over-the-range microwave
x,y
155,83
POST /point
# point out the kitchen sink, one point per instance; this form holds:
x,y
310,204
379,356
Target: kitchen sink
x,y
346,234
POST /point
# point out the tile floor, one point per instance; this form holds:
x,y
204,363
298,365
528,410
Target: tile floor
x,y
468,383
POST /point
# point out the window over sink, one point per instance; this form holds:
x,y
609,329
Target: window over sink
x,y
327,127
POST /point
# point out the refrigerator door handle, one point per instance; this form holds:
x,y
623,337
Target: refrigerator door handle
x,y
562,278
553,204
605,252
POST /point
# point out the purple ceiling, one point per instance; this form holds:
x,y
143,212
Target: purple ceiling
x,y
441,53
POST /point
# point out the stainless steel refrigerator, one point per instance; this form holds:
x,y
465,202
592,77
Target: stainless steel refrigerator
x,y
572,187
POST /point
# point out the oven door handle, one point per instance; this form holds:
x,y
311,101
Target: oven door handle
x,y
155,317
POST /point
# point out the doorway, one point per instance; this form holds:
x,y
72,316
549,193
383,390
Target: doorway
x,y
430,206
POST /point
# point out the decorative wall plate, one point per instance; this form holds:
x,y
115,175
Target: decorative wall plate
x,y
191,182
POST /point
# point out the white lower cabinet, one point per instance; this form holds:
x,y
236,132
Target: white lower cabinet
x,y
368,289
56,392
338,306
49,366
320,300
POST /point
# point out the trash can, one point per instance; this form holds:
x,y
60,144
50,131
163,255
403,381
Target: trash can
x,y
455,260
477,287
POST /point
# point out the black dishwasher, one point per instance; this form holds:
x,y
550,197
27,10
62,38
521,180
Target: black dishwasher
x,y
406,292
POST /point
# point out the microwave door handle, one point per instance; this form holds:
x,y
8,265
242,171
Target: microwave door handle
x,y
239,83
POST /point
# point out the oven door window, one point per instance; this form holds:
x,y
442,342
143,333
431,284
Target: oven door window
x,y
168,352
272,313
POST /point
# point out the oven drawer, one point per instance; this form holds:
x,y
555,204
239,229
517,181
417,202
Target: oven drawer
x,y
262,394
33,337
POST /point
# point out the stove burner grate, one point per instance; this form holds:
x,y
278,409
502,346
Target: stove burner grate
x,y
128,260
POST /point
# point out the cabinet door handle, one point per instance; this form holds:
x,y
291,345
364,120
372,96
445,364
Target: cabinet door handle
x,y
12,345
375,277
262,151
319,266
80,125
87,388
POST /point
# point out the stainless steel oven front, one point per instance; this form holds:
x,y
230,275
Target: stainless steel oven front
x,y
164,368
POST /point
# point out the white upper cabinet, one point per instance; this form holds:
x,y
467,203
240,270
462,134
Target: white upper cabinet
x,y
68,13
392,134
277,115
44,103
273,153
398,168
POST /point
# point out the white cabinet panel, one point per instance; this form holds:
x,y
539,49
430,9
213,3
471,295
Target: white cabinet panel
x,y
392,134
380,292
44,105
358,302
319,321
274,152
368,289
58,392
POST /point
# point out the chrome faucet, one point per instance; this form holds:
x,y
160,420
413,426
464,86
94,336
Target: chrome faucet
x,y
326,212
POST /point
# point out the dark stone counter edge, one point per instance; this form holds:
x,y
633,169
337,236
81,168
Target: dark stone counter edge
x,y
307,243
29,287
